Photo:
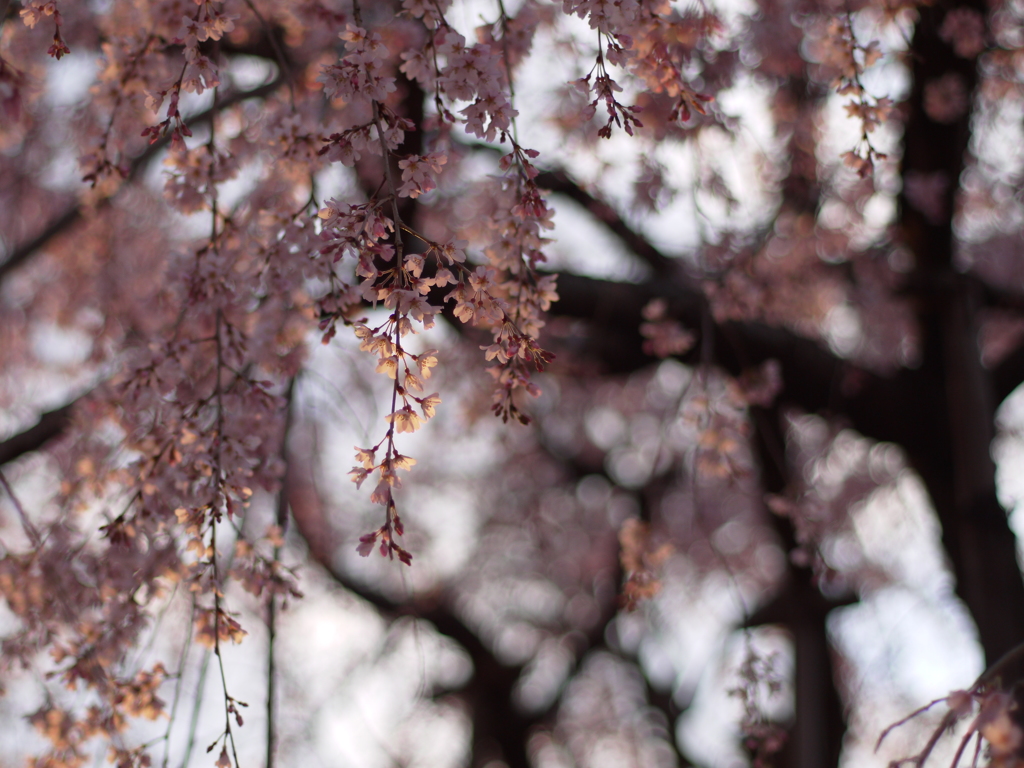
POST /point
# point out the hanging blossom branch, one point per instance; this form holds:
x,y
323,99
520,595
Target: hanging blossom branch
x,y
363,230
852,59
519,251
34,11
197,74
647,40
604,89
506,295
98,165
516,253
200,437
220,625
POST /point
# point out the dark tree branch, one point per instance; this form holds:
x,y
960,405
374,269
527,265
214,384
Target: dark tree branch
x,y
282,524
559,182
957,404
1008,374
908,408
51,424
814,379
941,413
66,221
61,224
500,730
816,737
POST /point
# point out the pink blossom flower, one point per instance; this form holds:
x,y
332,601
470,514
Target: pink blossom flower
x,y
404,419
428,404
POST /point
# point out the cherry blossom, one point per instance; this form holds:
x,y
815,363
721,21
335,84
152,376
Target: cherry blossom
x,y
262,180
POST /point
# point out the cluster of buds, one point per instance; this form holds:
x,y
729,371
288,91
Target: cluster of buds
x,y
840,50
360,71
386,533
604,89
34,11
515,353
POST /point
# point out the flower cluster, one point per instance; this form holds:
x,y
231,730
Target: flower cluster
x,y
604,89
651,40
34,11
360,73
418,173
192,174
840,52
505,294
208,23
641,560
663,336
759,680
468,73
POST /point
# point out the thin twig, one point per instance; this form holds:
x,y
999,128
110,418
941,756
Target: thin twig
x,y
228,701
392,188
282,522
186,647
963,745
196,707
278,54
907,719
977,752
26,524
271,672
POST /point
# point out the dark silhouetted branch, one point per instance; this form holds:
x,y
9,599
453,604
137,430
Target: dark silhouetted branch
x,y
73,214
50,425
500,730
559,182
